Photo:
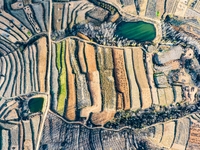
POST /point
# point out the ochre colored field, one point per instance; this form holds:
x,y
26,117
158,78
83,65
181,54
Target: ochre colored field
x,y
42,62
70,107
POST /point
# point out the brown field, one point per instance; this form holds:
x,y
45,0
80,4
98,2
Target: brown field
x,y
168,134
141,77
169,95
121,76
89,52
119,101
82,36
160,7
114,17
102,117
194,134
70,107
42,62
57,16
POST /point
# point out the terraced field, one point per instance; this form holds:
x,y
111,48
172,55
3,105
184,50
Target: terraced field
x,y
24,67
19,127
177,134
91,78
24,71
82,137
67,15
61,65
60,90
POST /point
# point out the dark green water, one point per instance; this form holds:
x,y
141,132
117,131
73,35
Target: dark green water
x,y
139,31
36,104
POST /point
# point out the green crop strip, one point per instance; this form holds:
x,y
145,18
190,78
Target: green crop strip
x,y
157,13
62,78
58,56
29,33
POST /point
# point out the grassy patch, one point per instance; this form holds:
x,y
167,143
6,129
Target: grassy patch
x,y
62,81
58,56
157,13
29,33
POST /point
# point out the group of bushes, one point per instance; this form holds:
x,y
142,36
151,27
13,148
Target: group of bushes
x,y
152,115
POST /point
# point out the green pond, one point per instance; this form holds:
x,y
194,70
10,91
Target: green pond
x,y
36,104
139,31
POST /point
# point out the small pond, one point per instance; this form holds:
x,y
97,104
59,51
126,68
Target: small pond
x,y
139,31
36,104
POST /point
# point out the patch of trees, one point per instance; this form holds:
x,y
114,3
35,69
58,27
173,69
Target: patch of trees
x,y
152,115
